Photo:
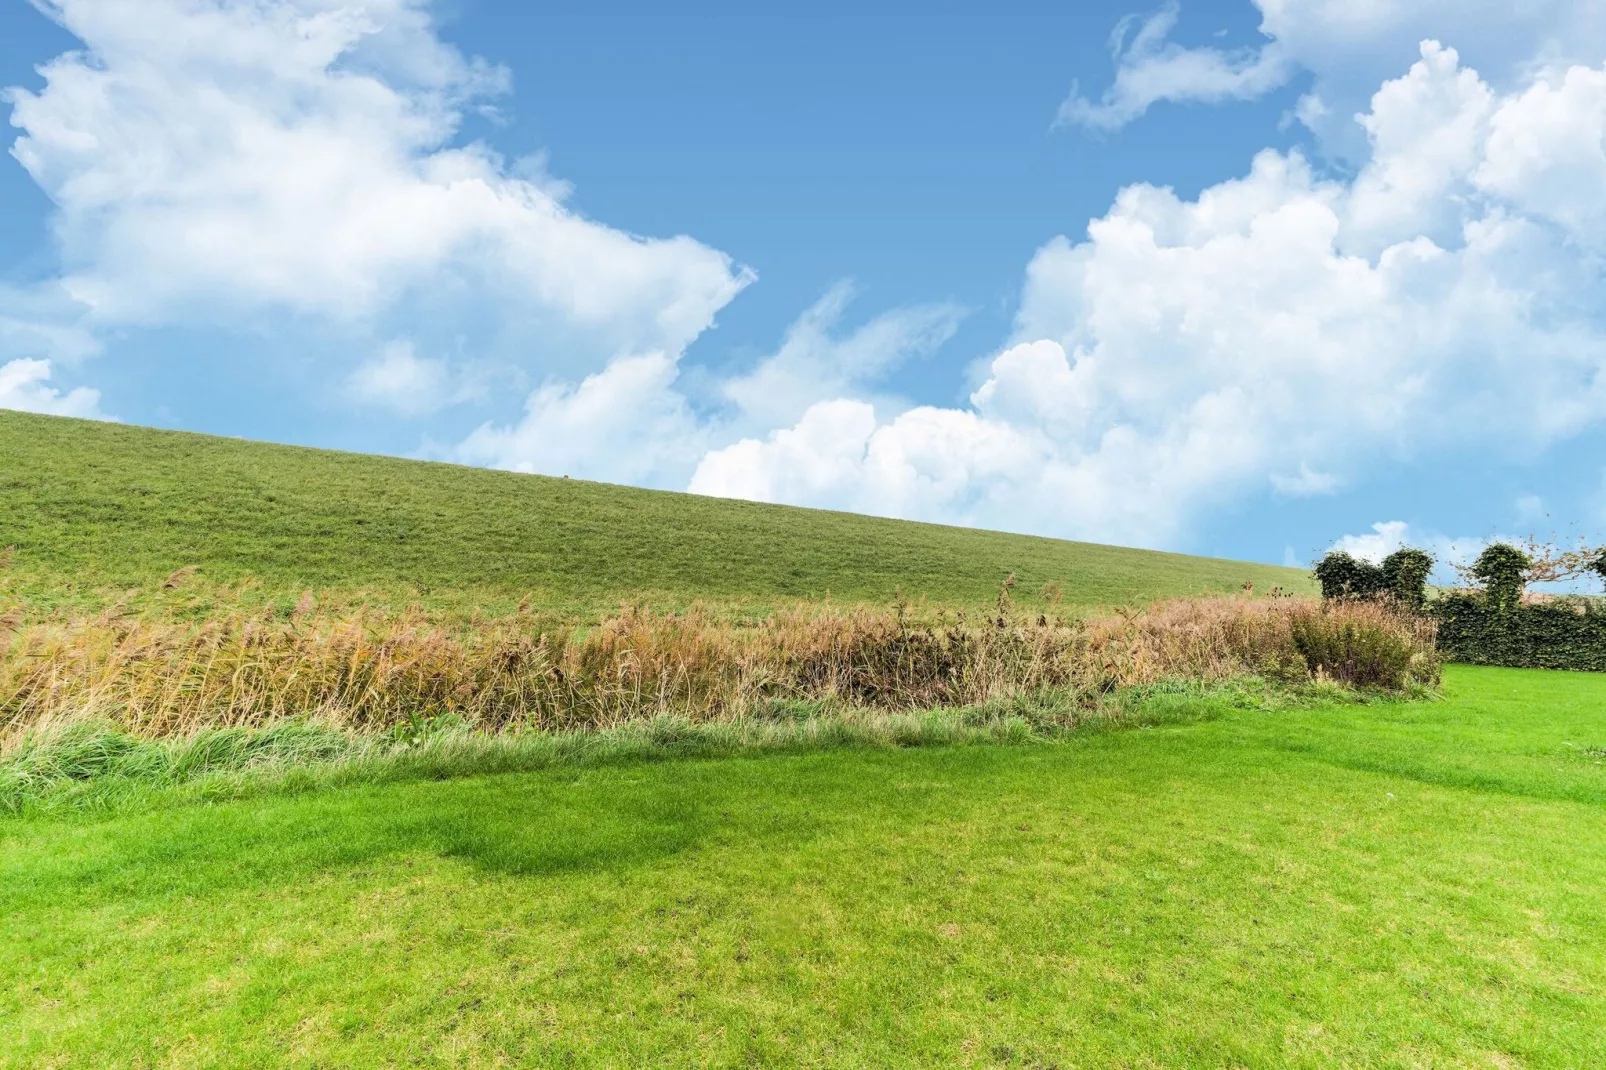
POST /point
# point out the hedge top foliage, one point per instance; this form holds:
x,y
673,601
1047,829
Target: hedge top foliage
x,y
1406,572
1503,570
1344,576
1403,574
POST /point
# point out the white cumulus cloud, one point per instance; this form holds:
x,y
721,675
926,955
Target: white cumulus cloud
x,y
1281,331
818,361
1150,68
213,157
399,379
25,385
927,463
1305,483
624,424
1348,48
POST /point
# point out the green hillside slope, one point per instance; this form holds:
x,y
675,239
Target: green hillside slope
x,y
103,510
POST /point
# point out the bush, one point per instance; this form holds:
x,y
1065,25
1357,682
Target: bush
x,y
1366,644
1497,627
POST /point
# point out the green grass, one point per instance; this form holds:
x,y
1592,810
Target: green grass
x,y
97,510
97,766
1395,884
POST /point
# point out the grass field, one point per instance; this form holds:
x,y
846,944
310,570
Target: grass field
x,y
102,513
1189,878
1379,885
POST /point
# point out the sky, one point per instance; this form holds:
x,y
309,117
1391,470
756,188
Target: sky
x,y
1242,279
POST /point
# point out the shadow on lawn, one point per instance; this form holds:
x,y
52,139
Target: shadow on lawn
x,y
616,833
522,826
542,824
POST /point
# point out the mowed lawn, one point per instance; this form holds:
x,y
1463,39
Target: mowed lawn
x,y
1390,885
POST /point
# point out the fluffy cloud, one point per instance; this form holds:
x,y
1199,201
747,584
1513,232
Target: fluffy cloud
x,y
1150,68
625,424
1010,460
637,406
1348,47
400,380
209,157
1547,153
817,362
929,463
25,385
1282,330
1305,483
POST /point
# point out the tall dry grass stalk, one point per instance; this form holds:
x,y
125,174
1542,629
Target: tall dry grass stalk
x,y
159,678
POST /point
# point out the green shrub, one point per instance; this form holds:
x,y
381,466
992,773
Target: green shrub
x,y
1384,647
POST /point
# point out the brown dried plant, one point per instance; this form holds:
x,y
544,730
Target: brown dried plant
x,y
158,677
178,576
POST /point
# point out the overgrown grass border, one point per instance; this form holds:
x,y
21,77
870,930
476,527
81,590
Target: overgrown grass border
x,y
97,768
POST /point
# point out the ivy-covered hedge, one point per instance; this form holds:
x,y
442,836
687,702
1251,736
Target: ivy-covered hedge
x,y
1476,630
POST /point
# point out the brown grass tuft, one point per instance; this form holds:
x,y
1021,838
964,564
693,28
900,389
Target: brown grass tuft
x,y
178,577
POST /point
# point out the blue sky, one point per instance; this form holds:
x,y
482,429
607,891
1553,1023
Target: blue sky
x,y
887,258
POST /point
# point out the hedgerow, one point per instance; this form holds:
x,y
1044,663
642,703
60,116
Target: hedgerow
x,y
1476,630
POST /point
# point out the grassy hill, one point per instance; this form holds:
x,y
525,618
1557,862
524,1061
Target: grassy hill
x,y
103,510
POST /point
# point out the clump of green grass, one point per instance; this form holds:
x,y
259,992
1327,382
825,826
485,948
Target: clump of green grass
x,y
99,765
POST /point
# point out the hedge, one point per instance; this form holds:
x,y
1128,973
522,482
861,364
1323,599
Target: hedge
x,y
1544,635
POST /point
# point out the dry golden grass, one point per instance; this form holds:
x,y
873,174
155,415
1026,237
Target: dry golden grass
x,y
161,677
